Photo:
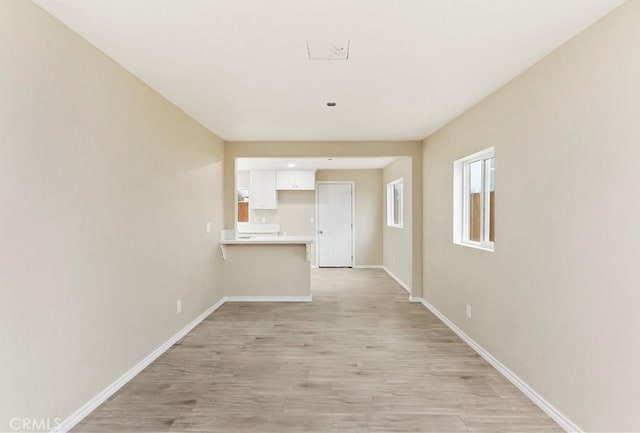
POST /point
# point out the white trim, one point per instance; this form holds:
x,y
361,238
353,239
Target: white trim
x,y
101,397
476,245
458,199
235,196
368,267
353,217
486,206
415,299
268,298
389,203
527,390
398,280
461,202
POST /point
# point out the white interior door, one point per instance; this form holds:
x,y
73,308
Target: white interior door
x,y
335,225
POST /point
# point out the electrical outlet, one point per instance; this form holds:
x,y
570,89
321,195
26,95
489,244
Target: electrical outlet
x,y
393,259
468,311
311,220
208,227
264,220
179,306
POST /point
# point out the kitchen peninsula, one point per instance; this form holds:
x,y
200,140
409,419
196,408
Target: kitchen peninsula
x,y
266,268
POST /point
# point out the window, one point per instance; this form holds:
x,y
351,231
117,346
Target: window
x,y
394,203
474,200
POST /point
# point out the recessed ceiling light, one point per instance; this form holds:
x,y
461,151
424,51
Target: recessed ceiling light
x,y
291,165
331,104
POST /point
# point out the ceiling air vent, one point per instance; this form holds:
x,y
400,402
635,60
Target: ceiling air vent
x,y
328,50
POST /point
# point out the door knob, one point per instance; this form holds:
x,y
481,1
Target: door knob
x,y
320,231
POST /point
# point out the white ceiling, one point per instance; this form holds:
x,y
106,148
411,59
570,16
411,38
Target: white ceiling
x,y
241,67
328,163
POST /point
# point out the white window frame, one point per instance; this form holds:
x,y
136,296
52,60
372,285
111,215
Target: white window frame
x,y
461,201
390,207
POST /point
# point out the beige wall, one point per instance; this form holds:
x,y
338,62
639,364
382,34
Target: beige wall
x,y
411,149
368,211
267,270
105,191
397,256
557,300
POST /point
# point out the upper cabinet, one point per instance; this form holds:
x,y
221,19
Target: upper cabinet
x,y
263,186
298,180
262,189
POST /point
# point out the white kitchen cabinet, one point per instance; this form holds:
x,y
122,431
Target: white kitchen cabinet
x,y
305,180
297,180
285,179
262,189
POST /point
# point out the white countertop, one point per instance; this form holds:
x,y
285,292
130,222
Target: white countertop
x,y
269,240
229,237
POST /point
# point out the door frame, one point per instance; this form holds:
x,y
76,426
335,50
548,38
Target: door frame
x,y
353,218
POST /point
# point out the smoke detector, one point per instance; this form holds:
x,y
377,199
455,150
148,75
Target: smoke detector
x,y
319,50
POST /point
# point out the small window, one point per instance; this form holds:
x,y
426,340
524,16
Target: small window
x,y
394,203
474,200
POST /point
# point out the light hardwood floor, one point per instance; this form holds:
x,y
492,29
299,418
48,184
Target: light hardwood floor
x,y
359,358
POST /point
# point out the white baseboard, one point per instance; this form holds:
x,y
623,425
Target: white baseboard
x,y
96,401
367,267
399,281
268,298
527,390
